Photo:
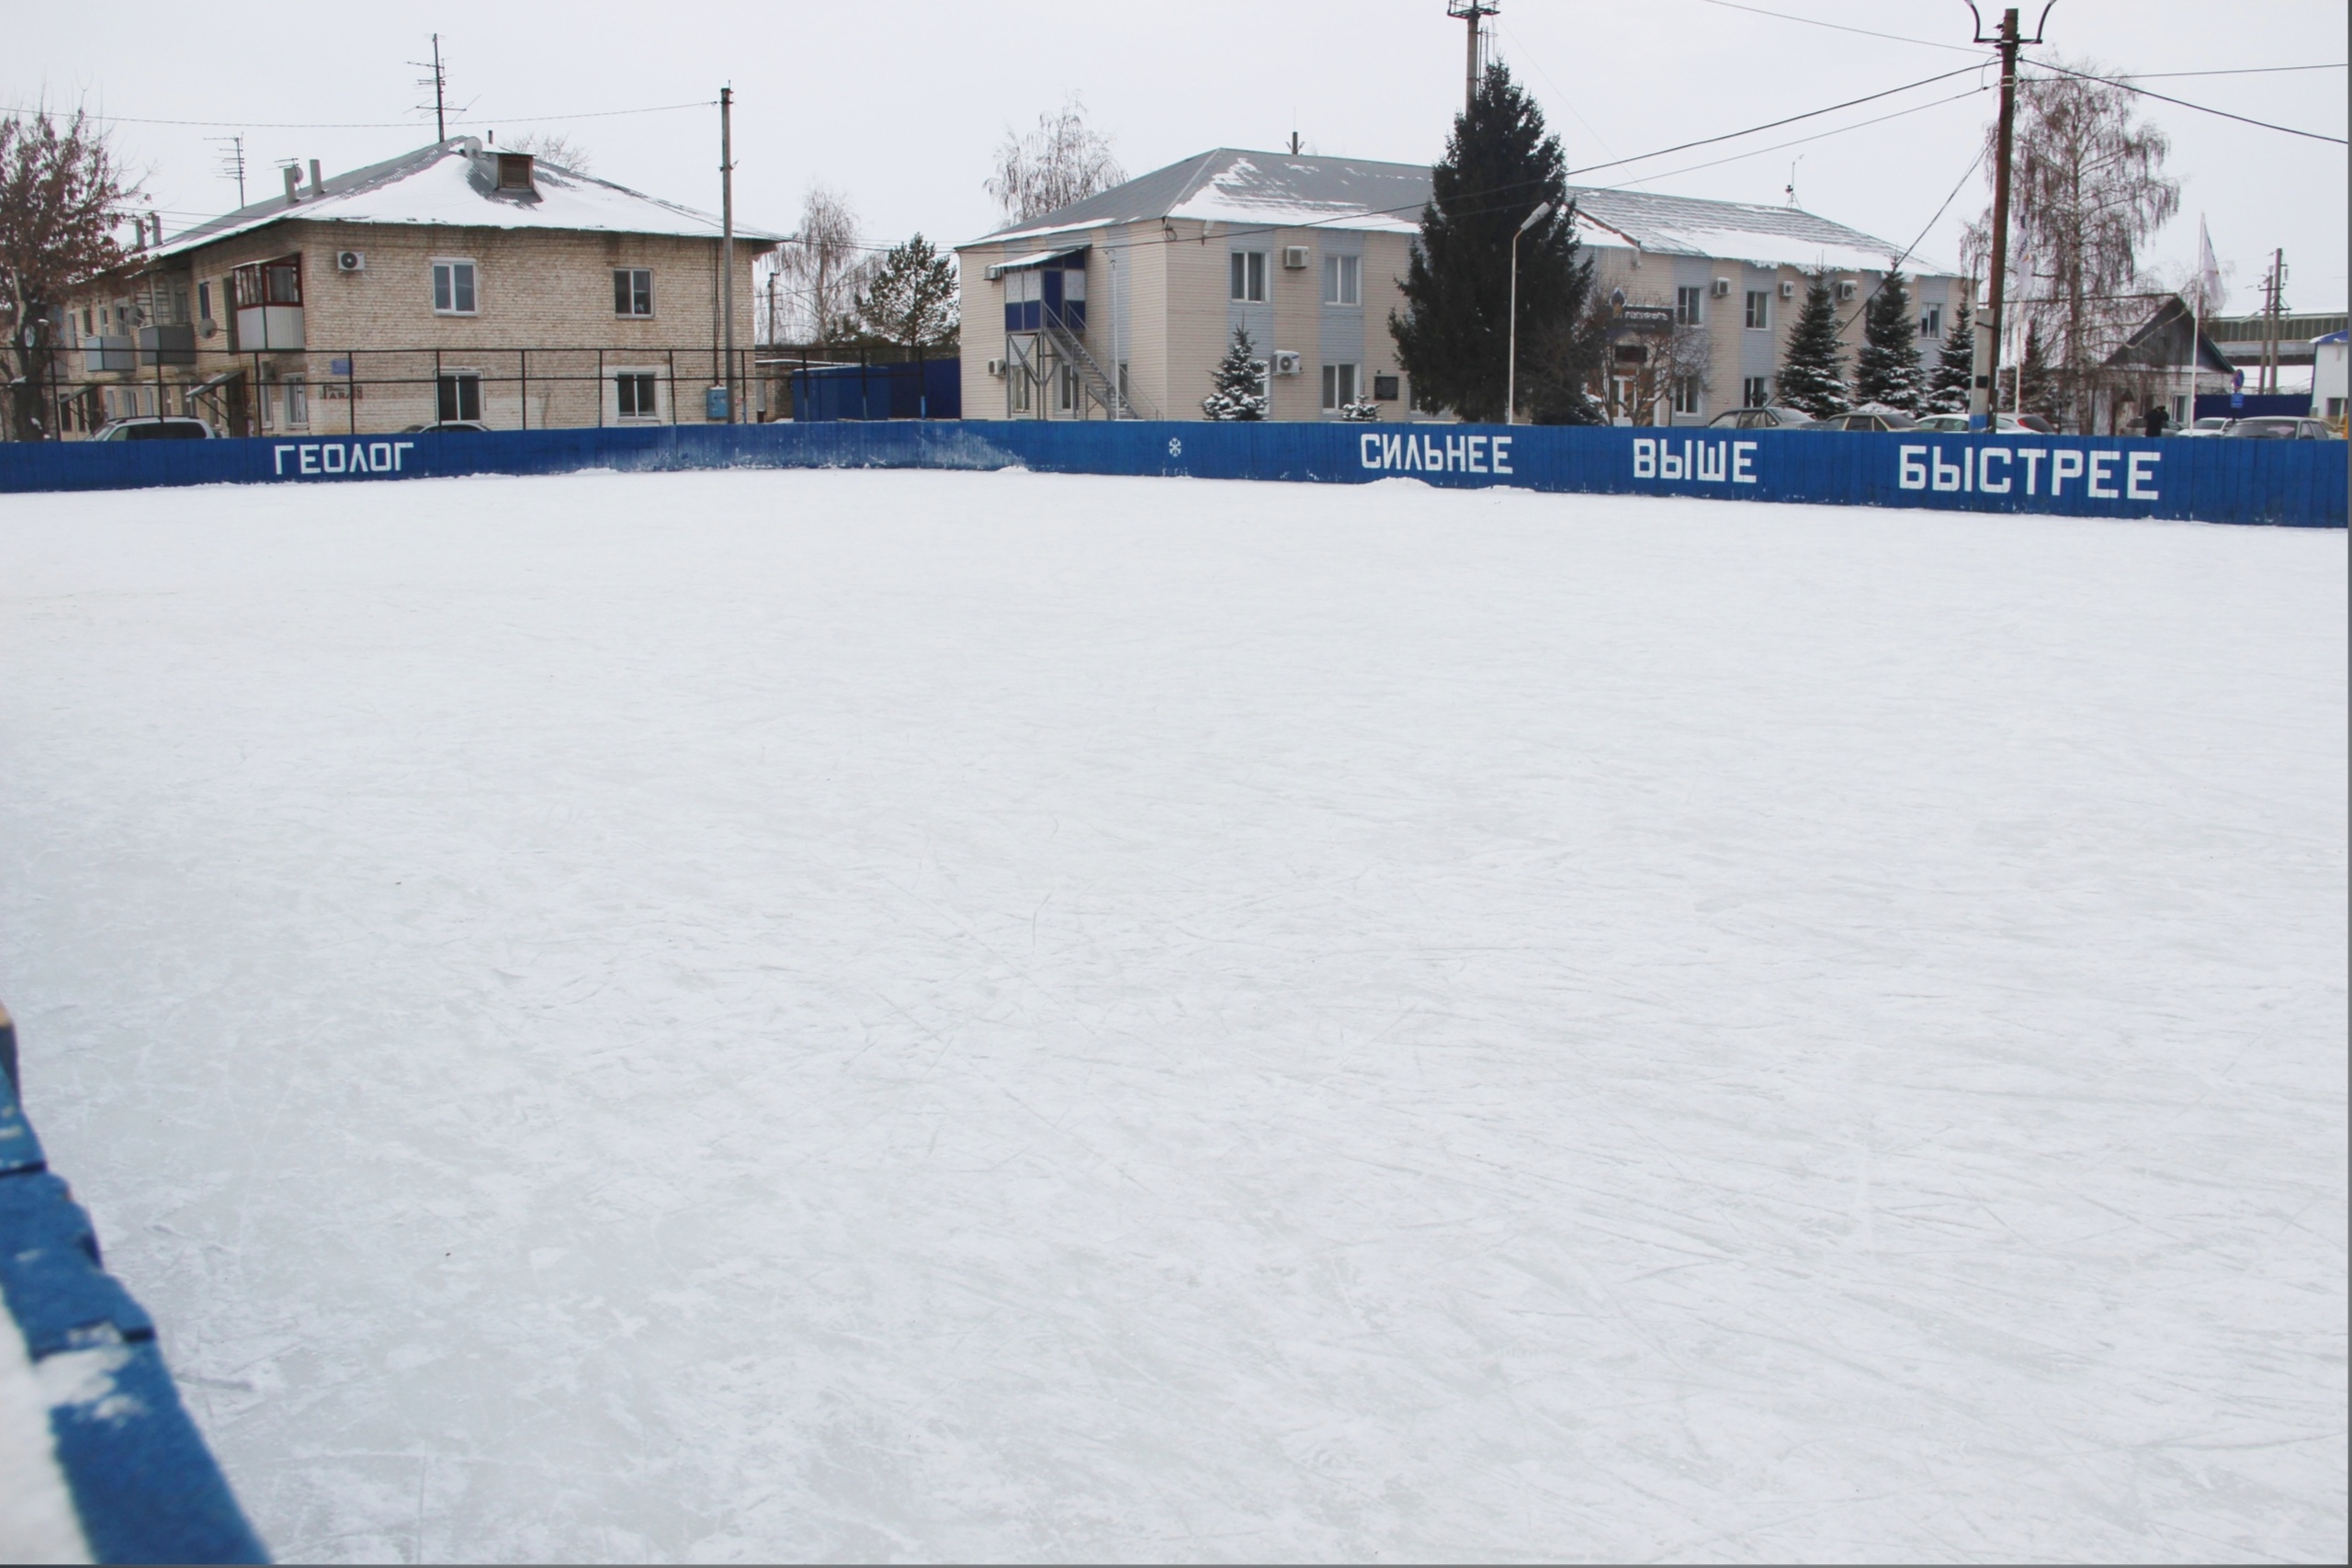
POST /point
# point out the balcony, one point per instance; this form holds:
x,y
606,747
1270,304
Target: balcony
x,y
105,354
267,303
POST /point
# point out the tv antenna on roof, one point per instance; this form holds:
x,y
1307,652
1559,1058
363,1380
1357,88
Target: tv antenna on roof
x,y
1791,187
439,83
233,162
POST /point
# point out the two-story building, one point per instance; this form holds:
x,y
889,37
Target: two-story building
x,y
1122,305
453,283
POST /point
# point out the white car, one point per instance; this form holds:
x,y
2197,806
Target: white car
x,y
154,427
1957,424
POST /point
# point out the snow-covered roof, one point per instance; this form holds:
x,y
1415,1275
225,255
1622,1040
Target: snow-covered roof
x,y
1279,190
455,183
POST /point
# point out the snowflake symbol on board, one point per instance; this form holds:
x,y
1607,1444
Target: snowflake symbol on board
x,y
1175,447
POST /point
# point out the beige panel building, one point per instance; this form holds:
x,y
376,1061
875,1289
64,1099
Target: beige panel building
x,y
454,283
1122,305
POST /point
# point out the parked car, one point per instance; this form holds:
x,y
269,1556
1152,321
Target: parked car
x,y
1869,418
156,427
446,427
1767,418
2278,427
2211,425
1957,423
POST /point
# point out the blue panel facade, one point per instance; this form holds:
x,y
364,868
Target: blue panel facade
x,y
2300,483
932,390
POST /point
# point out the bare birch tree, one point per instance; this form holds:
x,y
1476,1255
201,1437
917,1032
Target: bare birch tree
x,y
824,266
2087,190
1063,161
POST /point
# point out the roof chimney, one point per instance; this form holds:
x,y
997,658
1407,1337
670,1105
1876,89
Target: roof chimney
x,y
293,183
318,181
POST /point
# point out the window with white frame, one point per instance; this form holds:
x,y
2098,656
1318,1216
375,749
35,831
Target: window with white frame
x,y
1756,391
1249,276
460,396
1686,395
1339,383
632,291
1343,280
636,394
1687,305
454,291
298,403
1759,310
1931,322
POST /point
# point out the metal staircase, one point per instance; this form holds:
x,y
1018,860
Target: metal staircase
x,y
1097,383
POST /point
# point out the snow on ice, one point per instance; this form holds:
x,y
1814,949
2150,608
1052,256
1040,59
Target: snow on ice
x,y
999,1016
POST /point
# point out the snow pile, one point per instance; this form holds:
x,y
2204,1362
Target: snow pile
x,y
844,1014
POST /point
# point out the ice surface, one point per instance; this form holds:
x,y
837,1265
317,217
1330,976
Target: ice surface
x,y
1003,1016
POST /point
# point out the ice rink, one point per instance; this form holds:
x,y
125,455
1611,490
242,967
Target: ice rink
x,y
984,1016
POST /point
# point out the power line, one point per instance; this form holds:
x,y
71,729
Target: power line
x,y
2184,103
1838,27
1801,140
379,124
1775,124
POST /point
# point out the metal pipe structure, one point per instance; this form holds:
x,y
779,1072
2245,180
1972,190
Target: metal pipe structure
x,y
1510,374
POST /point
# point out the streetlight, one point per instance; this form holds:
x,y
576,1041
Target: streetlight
x,y
1511,376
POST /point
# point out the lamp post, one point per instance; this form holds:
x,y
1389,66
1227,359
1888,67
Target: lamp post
x,y
1510,375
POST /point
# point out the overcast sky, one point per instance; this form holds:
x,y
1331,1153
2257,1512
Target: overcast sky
x,y
899,105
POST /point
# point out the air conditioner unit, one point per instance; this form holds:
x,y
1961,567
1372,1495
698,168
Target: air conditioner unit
x,y
1723,289
1288,362
1845,290
350,261
1294,257
995,367
1788,290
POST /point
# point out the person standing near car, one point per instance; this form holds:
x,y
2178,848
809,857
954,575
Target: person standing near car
x,y
2156,420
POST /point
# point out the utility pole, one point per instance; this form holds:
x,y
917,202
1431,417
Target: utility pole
x,y
727,232
438,82
2274,302
1472,12
1989,326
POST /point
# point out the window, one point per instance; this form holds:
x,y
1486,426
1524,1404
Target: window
x,y
1687,307
1249,276
1756,391
1931,322
453,288
1759,310
637,395
1339,387
632,291
276,282
1686,395
2335,408
461,396
298,403
1123,381
1342,280
1017,380
1068,381
204,300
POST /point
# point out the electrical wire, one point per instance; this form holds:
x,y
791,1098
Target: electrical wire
x,y
2184,103
379,124
1838,27
1801,140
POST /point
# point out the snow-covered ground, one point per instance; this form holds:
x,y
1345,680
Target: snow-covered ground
x,y
998,1016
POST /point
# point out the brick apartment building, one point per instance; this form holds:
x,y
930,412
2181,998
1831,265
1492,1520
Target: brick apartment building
x,y
1122,304
453,282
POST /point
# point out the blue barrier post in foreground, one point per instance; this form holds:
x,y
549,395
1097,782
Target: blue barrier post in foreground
x,y
143,1485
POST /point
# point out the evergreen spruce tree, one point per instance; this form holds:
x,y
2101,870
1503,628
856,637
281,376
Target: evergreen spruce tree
x,y
2041,388
1453,337
1955,371
1812,371
1240,382
1887,370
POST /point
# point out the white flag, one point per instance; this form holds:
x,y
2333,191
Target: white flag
x,y
2209,271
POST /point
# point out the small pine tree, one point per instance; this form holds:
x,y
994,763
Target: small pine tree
x,y
1812,371
912,298
1363,411
1955,371
2040,388
1240,382
1887,370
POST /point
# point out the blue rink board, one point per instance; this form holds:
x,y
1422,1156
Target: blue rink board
x,y
2296,483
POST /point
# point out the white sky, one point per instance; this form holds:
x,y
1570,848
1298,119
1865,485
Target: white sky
x,y
900,105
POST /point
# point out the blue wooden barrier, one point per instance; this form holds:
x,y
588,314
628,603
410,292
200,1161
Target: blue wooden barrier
x,y
2299,483
143,1484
